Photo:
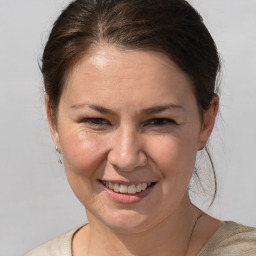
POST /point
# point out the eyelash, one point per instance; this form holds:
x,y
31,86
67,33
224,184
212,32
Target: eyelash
x,y
152,122
96,121
160,122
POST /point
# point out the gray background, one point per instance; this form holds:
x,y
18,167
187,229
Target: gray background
x,y
36,201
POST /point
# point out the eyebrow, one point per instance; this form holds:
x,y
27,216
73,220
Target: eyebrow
x,y
98,108
161,108
150,110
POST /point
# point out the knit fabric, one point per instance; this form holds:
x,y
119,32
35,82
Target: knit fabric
x,y
231,239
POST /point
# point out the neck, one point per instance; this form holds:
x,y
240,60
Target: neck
x,y
171,235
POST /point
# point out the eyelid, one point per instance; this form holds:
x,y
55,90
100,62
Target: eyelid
x,y
100,122
161,121
95,121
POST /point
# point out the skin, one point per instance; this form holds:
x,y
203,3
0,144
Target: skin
x,y
132,116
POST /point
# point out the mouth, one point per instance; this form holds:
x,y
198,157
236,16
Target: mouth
x,y
128,189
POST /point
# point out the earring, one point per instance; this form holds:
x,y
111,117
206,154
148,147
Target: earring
x,y
56,148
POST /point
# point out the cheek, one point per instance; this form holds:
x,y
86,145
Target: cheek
x,y
84,161
175,151
175,158
82,153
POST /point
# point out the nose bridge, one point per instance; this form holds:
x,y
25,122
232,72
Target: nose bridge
x,y
127,151
126,141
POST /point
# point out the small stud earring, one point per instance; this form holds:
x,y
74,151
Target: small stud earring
x,y
59,160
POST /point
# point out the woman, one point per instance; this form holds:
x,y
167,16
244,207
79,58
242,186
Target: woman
x,y
130,99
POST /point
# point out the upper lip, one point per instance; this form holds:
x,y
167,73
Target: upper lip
x,y
127,182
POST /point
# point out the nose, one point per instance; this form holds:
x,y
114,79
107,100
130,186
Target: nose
x,y
127,152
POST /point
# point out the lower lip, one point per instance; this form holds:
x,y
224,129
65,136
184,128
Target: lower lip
x,y
127,198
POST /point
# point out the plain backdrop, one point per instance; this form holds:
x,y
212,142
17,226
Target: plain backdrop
x,y
36,201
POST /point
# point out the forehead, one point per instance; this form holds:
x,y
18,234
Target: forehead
x,y
105,71
108,58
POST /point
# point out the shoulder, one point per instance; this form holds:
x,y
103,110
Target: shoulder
x,y
231,239
60,246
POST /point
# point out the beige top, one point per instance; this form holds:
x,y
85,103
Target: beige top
x,y
231,239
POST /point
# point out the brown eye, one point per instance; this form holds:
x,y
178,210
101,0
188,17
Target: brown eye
x,y
95,121
160,122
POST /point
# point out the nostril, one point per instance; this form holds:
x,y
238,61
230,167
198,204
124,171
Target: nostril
x,y
127,161
127,151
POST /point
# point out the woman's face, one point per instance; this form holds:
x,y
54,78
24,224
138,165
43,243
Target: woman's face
x,y
129,130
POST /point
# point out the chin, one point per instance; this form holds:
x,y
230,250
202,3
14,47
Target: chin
x,y
127,222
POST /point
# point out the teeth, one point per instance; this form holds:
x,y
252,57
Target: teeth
x,y
138,188
143,186
124,189
131,189
116,188
110,185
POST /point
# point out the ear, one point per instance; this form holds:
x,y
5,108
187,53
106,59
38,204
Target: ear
x,y
209,117
52,123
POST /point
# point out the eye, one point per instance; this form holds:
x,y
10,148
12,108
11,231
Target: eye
x,y
96,122
160,122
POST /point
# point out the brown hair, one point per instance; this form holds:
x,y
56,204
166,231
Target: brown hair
x,y
172,27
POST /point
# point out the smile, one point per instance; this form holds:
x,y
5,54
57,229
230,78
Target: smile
x,y
127,189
